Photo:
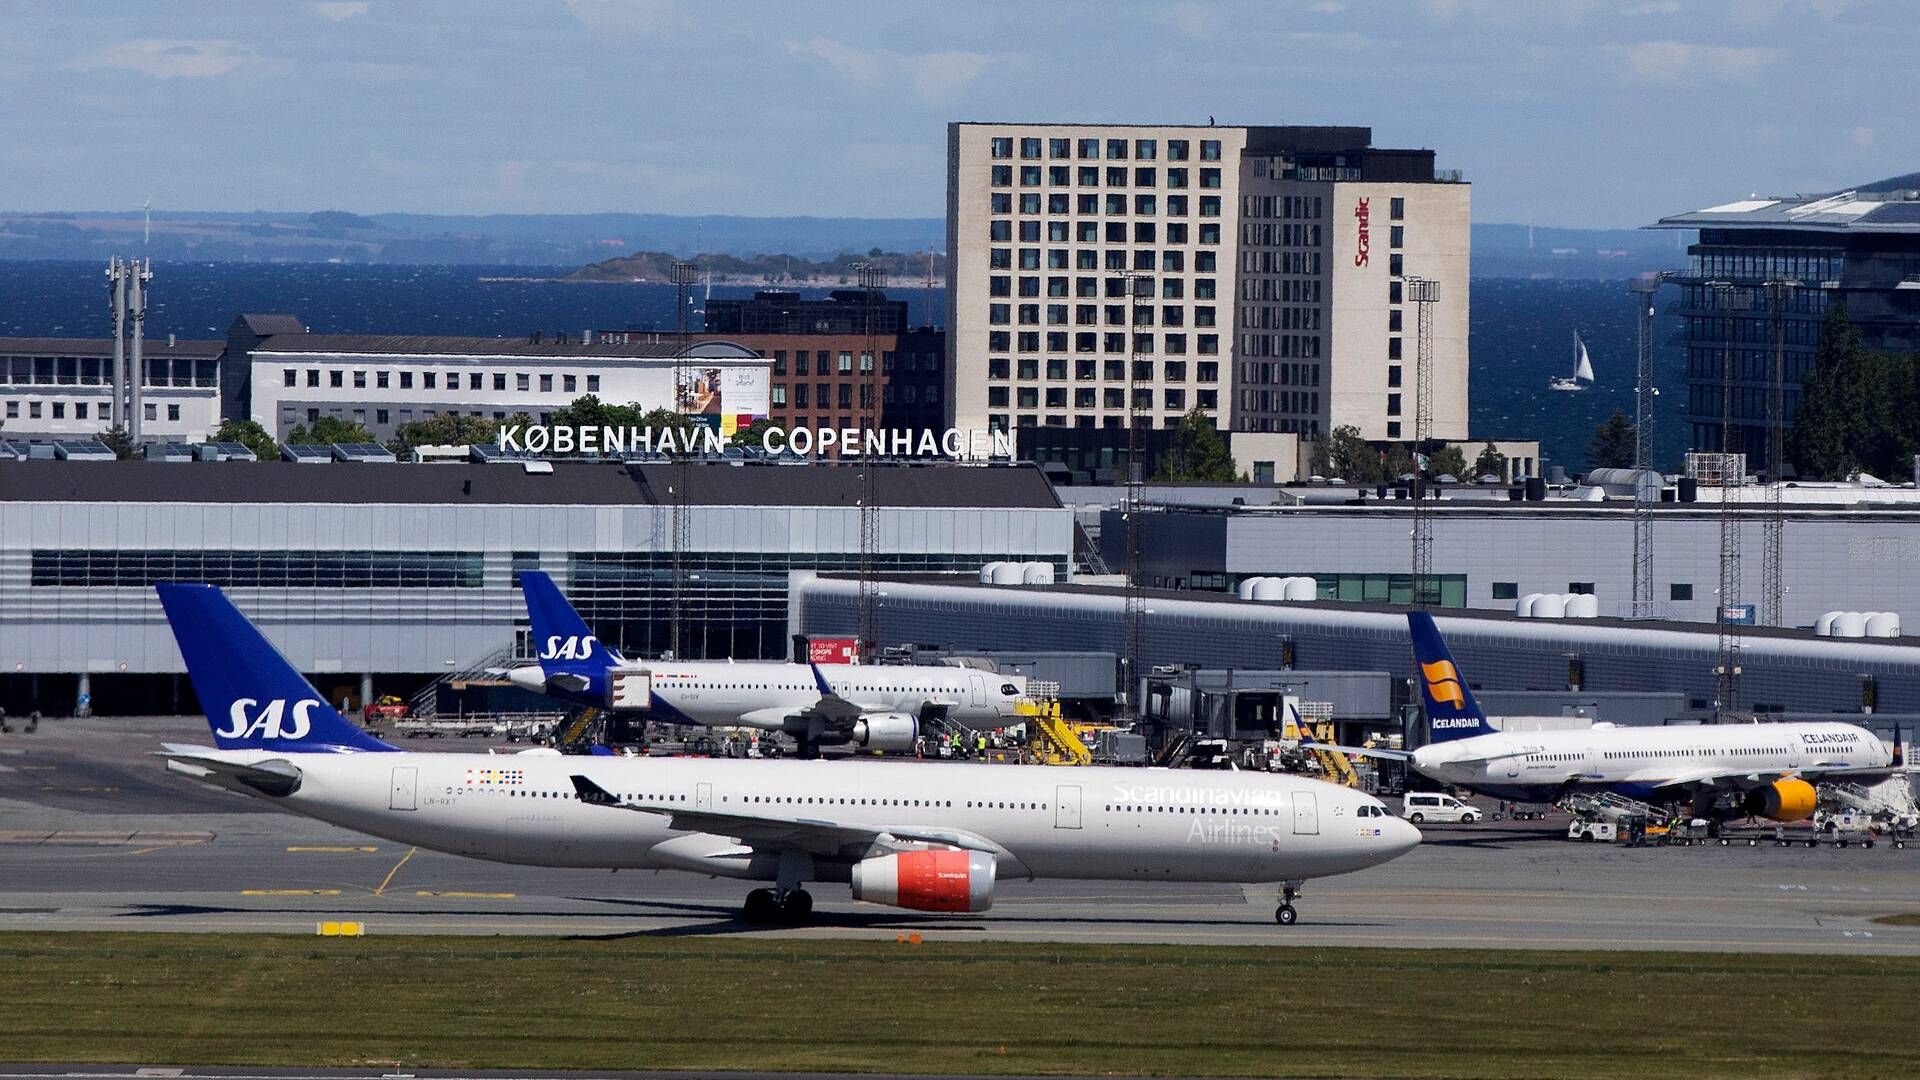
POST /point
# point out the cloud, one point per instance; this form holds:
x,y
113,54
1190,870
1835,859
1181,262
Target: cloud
x,y
1862,137
935,77
1678,61
165,58
339,10
632,18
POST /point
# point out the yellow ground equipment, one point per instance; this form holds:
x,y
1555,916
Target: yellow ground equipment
x,y
1315,721
578,729
1050,738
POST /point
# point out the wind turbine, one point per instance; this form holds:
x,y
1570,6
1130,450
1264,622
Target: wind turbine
x,y
146,217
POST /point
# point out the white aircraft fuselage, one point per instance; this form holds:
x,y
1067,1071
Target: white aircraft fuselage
x,y
1102,823
1639,761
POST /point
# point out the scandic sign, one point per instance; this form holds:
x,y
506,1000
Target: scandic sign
x,y
1362,215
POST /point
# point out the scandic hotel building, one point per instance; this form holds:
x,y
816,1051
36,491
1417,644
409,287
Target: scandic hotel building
x,y
1269,268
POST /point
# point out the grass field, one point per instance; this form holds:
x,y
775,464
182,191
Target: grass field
x,y
949,1008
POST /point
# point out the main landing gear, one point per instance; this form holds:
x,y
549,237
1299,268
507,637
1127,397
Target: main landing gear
x,y
764,907
1284,914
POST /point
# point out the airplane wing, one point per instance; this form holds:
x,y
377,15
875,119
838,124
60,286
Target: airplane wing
x,y
270,776
1359,751
1725,780
820,836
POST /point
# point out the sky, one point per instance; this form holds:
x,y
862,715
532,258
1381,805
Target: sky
x,y
1580,113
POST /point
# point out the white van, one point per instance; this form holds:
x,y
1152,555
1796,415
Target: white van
x,y
1430,806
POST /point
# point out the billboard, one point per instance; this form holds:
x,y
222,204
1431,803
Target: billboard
x,y
729,398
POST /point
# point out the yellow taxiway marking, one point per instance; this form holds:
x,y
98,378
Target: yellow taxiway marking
x,y
468,895
289,892
388,880
331,848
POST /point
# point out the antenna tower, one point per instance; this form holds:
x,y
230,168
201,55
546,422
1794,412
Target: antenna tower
x,y
1423,293
1643,289
871,279
1732,469
683,275
1139,302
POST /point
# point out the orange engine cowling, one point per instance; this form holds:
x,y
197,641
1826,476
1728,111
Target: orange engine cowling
x,y
941,880
1786,799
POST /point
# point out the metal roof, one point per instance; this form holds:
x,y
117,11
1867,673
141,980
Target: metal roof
x,y
662,346
570,483
1890,205
92,347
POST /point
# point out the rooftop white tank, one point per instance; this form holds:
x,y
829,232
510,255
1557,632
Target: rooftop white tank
x,y
1583,606
1008,573
1823,626
1270,589
1883,624
1301,588
1036,573
987,572
1550,606
1850,624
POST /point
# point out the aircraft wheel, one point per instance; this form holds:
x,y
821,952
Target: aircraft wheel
x,y
797,908
761,906
1285,915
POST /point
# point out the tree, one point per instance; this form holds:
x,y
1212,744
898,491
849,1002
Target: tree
x,y
1198,453
1449,460
1856,413
754,434
118,440
1397,463
1345,455
447,429
250,434
1612,444
329,429
1490,462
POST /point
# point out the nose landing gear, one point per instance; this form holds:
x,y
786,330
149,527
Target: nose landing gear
x,y
1284,914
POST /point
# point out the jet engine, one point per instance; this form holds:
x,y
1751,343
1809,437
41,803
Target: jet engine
x,y
1786,799
890,732
936,880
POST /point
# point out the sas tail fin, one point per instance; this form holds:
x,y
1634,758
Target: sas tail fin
x,y
1451,711
562,641
253,698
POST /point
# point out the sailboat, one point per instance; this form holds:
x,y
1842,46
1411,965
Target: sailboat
x,y
1582,369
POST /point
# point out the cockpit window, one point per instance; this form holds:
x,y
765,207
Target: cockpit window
x,y
1009,690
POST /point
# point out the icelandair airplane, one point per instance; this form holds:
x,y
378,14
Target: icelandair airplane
x,y
924,836
1770,768
871,706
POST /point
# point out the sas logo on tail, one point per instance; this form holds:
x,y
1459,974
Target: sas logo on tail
x,y
1443,683
569,648
274,721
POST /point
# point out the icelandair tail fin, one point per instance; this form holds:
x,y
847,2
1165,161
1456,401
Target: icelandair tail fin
x,y
561,639
1451,711
253,698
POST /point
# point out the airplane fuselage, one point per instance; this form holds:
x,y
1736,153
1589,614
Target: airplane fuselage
x,y
1104,823
770,695
1641,761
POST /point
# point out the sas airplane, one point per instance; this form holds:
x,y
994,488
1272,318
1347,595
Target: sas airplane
x,y
924,836
1768,769
874,707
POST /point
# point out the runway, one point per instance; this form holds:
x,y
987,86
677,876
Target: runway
x,y
94,835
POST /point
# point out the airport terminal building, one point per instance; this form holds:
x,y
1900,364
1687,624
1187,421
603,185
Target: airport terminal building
x,y
376,578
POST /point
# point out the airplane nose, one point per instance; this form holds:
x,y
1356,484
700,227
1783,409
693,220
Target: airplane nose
x,y
529,677
1402,835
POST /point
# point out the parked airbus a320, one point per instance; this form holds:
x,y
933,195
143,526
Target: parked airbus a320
x,y
925,836
872,707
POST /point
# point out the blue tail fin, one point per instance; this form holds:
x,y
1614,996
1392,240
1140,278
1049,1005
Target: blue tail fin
x,y
1451,711
561,639
253,698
